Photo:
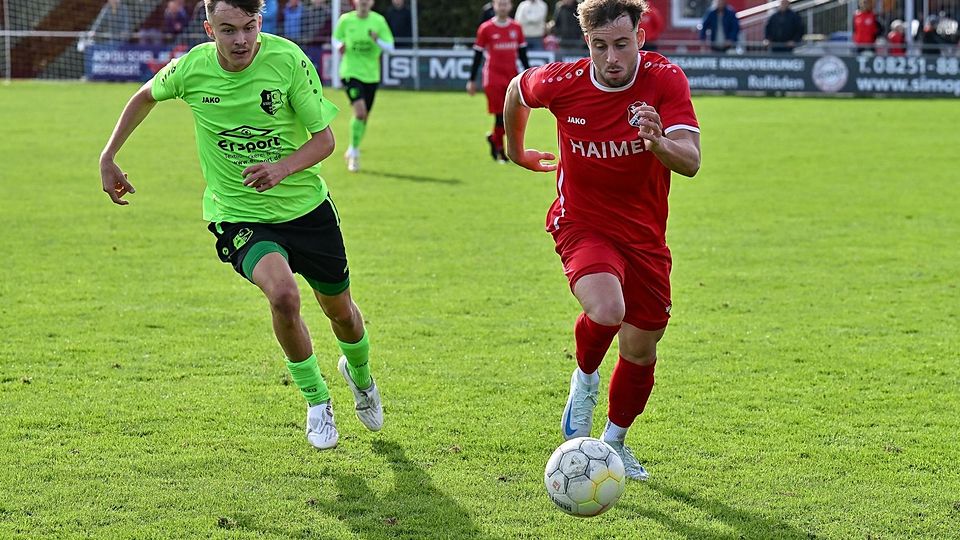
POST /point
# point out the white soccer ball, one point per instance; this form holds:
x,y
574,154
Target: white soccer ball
x,y
584,477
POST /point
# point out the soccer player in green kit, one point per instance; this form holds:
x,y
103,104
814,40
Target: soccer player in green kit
x,y
362,36
262,128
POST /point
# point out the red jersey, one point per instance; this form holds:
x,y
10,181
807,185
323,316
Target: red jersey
x,y
864,27
896,41
606,179
652,23
499,44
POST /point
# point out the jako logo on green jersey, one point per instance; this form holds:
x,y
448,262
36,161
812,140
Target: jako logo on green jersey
x,y
271,101
242,237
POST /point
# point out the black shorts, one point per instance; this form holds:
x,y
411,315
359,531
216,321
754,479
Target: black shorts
x,y
357,89
312,245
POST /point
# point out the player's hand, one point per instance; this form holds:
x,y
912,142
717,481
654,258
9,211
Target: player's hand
x,y
534,160
651,128
264,176
471,88
374,35
115,182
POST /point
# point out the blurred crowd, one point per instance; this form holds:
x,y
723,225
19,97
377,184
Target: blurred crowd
x,y
306,22
877,25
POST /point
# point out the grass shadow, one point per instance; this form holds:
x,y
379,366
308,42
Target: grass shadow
x,y
744,524
414,508
414,178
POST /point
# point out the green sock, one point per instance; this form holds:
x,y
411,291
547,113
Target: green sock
x,y
358,361
357,128
308,378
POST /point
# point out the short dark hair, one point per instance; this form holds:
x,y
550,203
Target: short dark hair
x,y
249,6
596,13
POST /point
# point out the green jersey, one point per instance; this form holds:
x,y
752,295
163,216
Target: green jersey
x,y
361,55
263,113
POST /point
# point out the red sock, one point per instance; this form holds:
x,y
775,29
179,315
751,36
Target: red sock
x,y
498,132
593,340
630,387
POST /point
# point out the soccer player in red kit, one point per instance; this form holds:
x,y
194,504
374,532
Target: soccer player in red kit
x,y
625,121
500,40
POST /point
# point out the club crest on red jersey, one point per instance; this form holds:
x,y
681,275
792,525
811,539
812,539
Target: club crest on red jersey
x,y
633,113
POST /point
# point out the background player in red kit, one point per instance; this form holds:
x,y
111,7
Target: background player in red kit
x,y
625,121
500,40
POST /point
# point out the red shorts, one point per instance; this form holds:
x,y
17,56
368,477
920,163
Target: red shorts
x,y
496,95
644,274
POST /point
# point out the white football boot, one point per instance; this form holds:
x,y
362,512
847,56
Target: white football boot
x,y
321,430
577,419
353,159
367,401
631,467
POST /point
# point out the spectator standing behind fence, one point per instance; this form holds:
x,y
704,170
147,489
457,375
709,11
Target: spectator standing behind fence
x,y
175,20
720,27
293,21
652,23
532,16
784,29
897,39
400,21
114,23
866,28
316,26
270,14
566,26
929,37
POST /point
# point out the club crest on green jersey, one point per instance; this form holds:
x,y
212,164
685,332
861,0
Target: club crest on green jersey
x,y
271,101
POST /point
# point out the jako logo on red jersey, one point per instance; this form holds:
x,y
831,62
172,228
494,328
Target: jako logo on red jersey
x,y
577,121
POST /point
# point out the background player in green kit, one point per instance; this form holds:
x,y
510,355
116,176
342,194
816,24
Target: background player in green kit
x,y
262,128
362,36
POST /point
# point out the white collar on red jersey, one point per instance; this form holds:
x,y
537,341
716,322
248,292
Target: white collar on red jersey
x,y
605,88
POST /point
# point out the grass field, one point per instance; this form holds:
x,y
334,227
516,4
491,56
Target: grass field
x,y
807,386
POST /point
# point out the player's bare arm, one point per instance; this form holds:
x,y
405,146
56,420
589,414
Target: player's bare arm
x,y
266,175
112,178
515,116
679,150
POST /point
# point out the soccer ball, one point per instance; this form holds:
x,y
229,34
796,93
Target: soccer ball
x,y
584,477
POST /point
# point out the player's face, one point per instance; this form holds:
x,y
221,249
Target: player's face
x,y
501,8
614,49
235,32
363,6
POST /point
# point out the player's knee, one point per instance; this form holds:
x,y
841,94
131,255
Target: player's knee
x,y
642,356
361,115
285,302
608,313
341,313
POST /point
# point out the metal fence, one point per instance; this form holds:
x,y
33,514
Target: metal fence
x,y
35,41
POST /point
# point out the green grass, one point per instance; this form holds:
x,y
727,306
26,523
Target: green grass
x,y
807,385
